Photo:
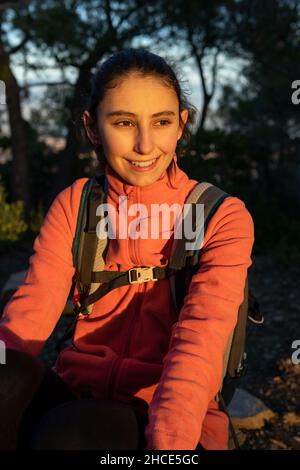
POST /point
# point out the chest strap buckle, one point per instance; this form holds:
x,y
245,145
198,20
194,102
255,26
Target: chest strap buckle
x,y
139,275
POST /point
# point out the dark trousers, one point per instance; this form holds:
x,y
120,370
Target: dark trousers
x,y
39,411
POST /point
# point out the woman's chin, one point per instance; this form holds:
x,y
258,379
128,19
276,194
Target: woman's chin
x,y
141,181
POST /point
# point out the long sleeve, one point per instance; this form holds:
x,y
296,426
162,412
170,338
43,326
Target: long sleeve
x,y
192,368
33,311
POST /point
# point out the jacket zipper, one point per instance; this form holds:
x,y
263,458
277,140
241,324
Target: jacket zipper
x,y
113,373
134,245
133,322
131,329
141,287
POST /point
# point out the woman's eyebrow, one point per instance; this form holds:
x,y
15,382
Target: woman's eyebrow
x,y
120,112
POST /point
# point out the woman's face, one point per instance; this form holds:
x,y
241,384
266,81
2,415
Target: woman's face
x,y
138,121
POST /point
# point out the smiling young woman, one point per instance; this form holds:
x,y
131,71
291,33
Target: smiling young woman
x,y
137,376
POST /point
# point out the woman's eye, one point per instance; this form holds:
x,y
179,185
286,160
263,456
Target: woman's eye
x,y
126,123
165,121
121,122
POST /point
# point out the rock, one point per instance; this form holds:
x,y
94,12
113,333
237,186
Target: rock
x,y
291,419
286,366
247,411
278,444
288,439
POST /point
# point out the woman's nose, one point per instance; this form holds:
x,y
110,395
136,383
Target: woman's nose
x,y
144,142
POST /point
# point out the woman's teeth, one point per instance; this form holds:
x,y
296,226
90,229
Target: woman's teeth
x,y
144,163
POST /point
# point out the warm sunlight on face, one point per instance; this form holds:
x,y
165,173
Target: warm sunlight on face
x,y
138,121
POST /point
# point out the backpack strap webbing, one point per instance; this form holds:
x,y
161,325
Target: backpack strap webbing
x,y
212,197
88,249
94,190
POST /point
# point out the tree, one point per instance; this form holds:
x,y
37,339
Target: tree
x,y
20,150
268,36
205,32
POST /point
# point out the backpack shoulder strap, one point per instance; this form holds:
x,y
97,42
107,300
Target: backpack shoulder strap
x,y
88,249
211,197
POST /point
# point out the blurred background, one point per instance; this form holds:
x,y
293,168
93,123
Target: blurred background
x,y
239,64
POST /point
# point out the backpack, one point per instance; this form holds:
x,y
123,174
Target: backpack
x,y
93,282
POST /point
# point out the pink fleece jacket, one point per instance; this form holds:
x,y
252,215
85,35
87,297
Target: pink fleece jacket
x,y
133,347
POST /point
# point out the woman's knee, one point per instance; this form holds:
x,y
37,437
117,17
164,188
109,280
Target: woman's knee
x,y
20,376
87,424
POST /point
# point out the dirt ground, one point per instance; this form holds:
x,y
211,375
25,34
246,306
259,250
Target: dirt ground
x,y
271,375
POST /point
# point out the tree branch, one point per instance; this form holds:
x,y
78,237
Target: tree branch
x,y
198,58
214,72
30,85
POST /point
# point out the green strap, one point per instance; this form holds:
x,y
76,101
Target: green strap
x,y
76,240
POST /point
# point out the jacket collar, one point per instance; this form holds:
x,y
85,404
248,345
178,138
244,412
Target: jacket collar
x,y
159,191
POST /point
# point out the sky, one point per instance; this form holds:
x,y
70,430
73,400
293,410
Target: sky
x,y
229,72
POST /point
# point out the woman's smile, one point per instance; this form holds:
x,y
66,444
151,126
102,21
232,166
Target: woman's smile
x,y
143,165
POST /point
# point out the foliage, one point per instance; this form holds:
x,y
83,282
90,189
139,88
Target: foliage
x,y
275,212
12,225
37,217
276,231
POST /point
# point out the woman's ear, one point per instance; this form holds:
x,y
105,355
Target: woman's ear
x,y
184,116
91,130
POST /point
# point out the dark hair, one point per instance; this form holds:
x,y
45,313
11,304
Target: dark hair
x,y
143,62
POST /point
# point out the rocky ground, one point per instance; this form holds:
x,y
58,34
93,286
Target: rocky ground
x,y
271,375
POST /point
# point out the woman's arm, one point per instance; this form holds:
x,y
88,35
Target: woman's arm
x,y
33,311
192,372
